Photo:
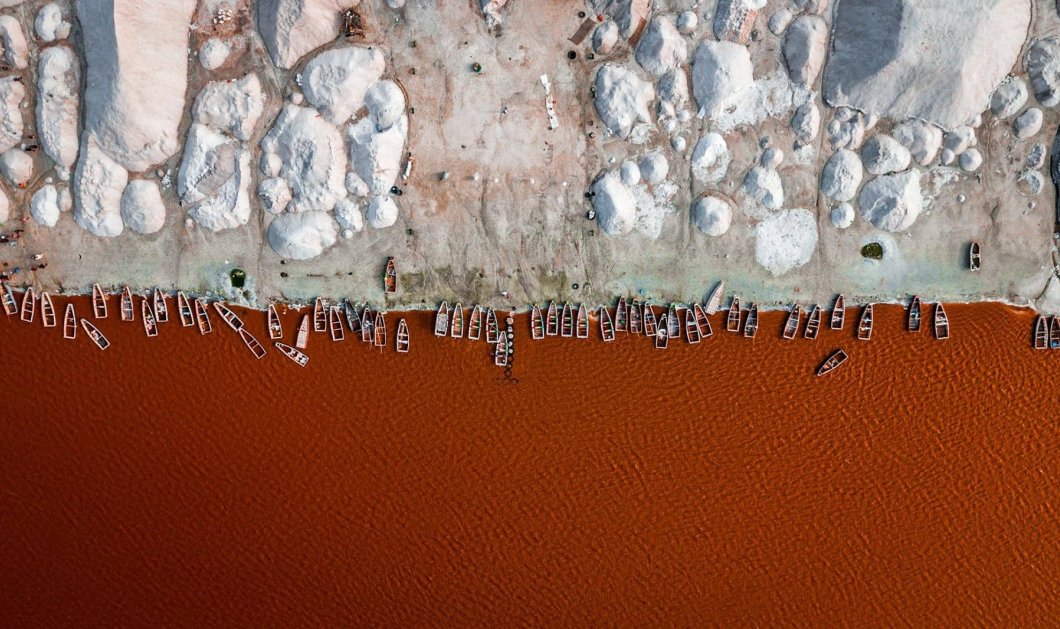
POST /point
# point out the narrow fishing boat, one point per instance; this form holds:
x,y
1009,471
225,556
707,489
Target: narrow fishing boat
x,y
650,324
29,305
691,327
791,326
402,337
607,328
714,301
1054,333
750,326
298,357
379,332
552,320
161,309
94,334
456,322
673,323
367,325
865,323
10,305
834,359
474,324
581,324
813,323
47,310
942,323
566,329
272,319
226,313
1041,333
252,343
662,334
973,257
302,339
390,276
635,318
537,323
70,323
353,320
732,322
441,319
128,313
320,316
500,351
702,322
335,324
187,315
99,302
621,315
912,319
839,313
205,327
150,327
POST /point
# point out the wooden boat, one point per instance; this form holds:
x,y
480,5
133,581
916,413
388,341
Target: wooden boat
x,y
187,315
912,319
10,305
581,323
69,323
252,343
1041,333
272,319
621,315
791,326
353,320
501,351
302,339
367,325
474,324
714,301
150,327
47,310
298,357
973,257
552,320
94,334
607,327
390,276
691,327
205,327
128,312
456,322
942,323
402,337
662,334
320,316
834,359
650,324
865,323
161,309
379,331
635,318
750,326
335,324
702,322
732,322
1054,333
839,313
673,323
29,305
566,329
99,302
441,320
813,323
226,313
537,323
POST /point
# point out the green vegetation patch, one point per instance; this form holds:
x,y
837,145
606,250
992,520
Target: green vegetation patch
x,y
873,250
238,277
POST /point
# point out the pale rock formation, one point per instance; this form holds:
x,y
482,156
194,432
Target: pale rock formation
x,y
302,235
891,202
673,91
806,122
764,187
605,36
687,22
44,206
627,14
842,216
58,100
614,204
1028,123
1043,68
335,81
209,161
661,47
98,185
959,140
710,159
1008,98
292,28
1030,183
654,167
232,107
881,155
356,186
735,19
491,10
386,104
1036,156
970,160
712,215
772,157
920,138
214,53
804,49
16,166
779,21
376,156
15,47
679,143
49,23
12,93
622,99
720,72
382,211
275,194
785,240
630,173
309,153
347,213
841,175
142,208
947,157
5,207
816,7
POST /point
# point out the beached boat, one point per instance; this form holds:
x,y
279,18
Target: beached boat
x,y
973,255
94,334
161,308
402,337
691,327
367,325
552,320
187,315
353,320
99,302
942,323
662,334
865,323
320,316
379,330
70,323
29,305
750,326
714,301
47,310
581,323
474,324
500,351
1041,333
128,312
493,330
912,319
673,323
635,318
299,358
150,326
839,313
456,322
566,328
834,359
607,327
1054,333
732,322
205,327
252,343
621,315
226,313
302,338
10,305
390,276
272,321
651,325
441,319
813,323
702,322
537,323
791,326
335,324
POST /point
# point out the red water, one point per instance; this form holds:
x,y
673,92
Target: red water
x,y
177,481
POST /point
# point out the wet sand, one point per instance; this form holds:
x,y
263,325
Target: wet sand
x,y
178,481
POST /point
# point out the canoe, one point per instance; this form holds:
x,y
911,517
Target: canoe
x,y
272,319
379,333
302,339
501,351
537,323
493,331
161,309
1041,333
390,276
335,324
702,322
662,334
651,326
456,321
441,319
566,329
673,323
942,323
10,305
750,327
813,323
607,328
320,316
402,337
367,325
714,301
552,320
29,305
47,310
150,326
834,359
691,327
1054,333
474,324
353,320
205,327
94,334
581,324
70,323
226,313
865,323
791,326
621,315
128,313
732,322
973,257
187,316
912,318
839,313
635,318
296,356
252,343
99,302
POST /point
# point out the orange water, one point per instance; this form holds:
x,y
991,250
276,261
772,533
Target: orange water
x,y
177,481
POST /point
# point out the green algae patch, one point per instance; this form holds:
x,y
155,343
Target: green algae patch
x,y
873,251
238,278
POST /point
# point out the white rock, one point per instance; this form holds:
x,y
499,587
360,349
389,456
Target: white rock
x,y
1043,67
1036,156
1008,98
605,37
720,72
947,157
842,216
12,93
302,235
817,7
49,24
311,156
382,211
654,167
673,89
58,99
764,186
882,155
15,47
347,213
209,161
376,157
920,138
292,28
44,206
16,166
785,240
959,139
1028,123
335,81
1030,183
228,206
712,215
627,14
971,160
275,194
358,188
687,22
399,4
806,122
772,157
679,143
630,173
491,10
615,206
891,202
710,159
5,207
804,49
232,107
386,104
142,208
779,21
214,53
99,183
661,47
842,175
622,99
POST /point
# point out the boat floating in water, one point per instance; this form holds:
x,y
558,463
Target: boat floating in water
x,y
662,334
226,313
714,301
203,317
367,326
187,316
942,323
474,323
379,332
70,323
552,320
150,327
791,326
335,324
581,324
47,310
732,322
839,313
299,358
402,337
651,326
272,319
10,305
1054,333
161,309
621,315
702,322
834,360
94,334
673,323
865,323
441,319
29,305
566,328
537,323
493,330
320,316
692,334
99,302
1041,333
750,327
635,324
501,350
456,321
390,276
813,323
607,328
252,343
912,318
302,339
353,320
128,313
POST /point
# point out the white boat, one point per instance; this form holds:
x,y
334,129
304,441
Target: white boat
x,y
226,313
10,305
335,324
150,327
70,323
607,328
94,334
320,316
187,316
47,310
441,319
161,309
205,327
403,337
99,302
29,305
272,319
353,320
303,333
296,356
380,330
714,301
456,322
252,343
127,311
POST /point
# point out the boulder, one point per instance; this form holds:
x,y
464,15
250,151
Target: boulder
x,y
292,28
710,159
1043,68
302,235
712,215
891,202
661,47
142,208
842,175
805,43
1008,98
720,72
920,138
785,240
614,204
881,155
622,99
335,81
